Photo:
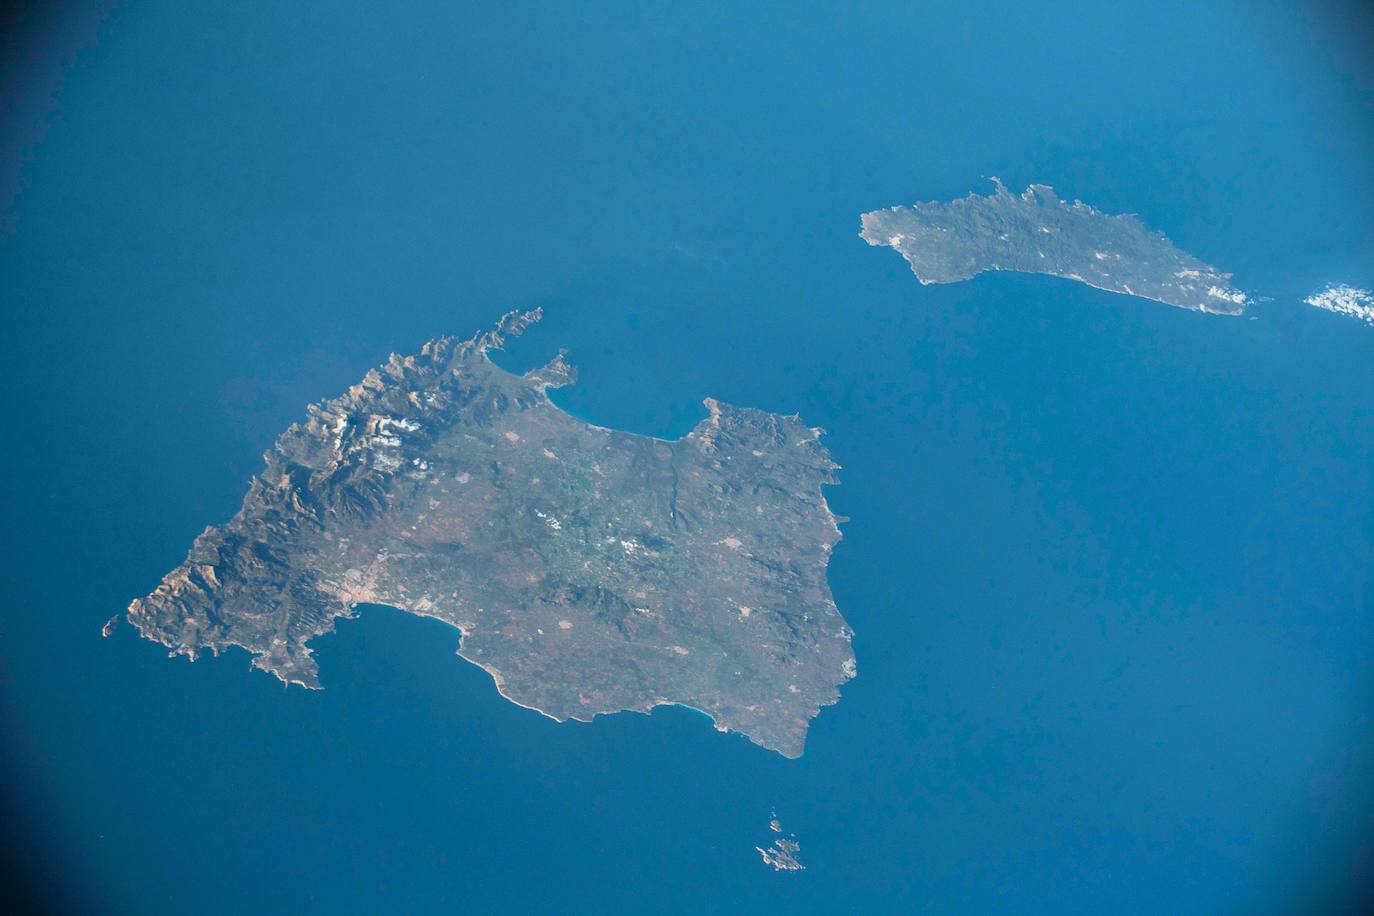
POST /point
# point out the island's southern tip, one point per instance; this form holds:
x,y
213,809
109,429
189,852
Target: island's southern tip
x,y
1037,232
588,570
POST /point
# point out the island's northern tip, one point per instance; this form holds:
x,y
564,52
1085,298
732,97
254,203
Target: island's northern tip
x,y
588,570
1037,232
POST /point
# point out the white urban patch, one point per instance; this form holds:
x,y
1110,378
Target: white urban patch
x,y
1345,300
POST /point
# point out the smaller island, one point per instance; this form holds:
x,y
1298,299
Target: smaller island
x,y
1037,232
782,855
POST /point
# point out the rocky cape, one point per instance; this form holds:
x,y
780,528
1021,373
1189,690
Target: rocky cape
x,y
589,570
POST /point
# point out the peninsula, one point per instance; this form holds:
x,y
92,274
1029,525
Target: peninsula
x,y
588,570
1036,232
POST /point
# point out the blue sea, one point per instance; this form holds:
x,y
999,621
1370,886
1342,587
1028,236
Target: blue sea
x,y
1110,564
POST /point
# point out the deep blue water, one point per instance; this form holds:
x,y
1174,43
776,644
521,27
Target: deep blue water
x,y
1109,564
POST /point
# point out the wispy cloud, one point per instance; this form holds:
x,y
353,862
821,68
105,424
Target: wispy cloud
x,y
1345,300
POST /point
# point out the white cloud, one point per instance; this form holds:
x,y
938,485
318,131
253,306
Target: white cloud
x,y
1229,295
1344,300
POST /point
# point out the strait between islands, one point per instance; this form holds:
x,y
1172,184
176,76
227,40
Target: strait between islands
x,y
588,570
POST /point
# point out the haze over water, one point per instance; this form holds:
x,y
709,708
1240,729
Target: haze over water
x,y
1109,563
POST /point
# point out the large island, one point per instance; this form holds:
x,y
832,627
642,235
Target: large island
x,y
588,570
1036,232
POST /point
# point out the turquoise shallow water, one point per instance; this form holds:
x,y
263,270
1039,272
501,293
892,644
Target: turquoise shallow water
x,y
1108,564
